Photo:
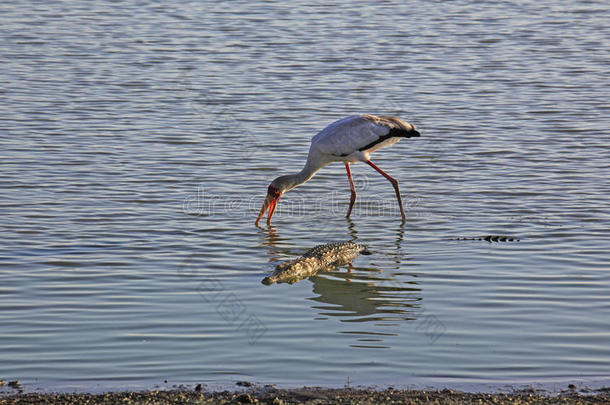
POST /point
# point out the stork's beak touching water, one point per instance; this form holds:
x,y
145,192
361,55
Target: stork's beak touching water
x,y
273,196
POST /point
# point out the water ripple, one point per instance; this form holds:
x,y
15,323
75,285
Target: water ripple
x,y
137,142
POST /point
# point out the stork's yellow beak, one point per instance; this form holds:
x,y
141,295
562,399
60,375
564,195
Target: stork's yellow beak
x,y
270,202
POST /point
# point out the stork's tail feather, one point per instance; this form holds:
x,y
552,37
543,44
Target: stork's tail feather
x,y
403,133
398,127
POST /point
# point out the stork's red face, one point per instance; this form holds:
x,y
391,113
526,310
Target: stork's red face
x,y
273,196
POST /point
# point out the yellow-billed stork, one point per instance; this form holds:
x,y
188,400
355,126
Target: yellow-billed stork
x,y
349,140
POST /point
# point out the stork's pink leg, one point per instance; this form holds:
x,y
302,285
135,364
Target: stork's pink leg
x,y
394,183
352,199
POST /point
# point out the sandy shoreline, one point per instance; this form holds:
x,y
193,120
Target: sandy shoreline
x,y
309,395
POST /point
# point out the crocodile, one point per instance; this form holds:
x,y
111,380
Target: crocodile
x,y
490,238
314,260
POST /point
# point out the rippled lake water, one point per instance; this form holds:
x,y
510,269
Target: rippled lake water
x,y
138,140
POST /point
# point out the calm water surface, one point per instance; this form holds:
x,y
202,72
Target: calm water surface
x,y
138,139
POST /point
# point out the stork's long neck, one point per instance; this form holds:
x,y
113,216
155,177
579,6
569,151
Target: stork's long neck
x,y
291,181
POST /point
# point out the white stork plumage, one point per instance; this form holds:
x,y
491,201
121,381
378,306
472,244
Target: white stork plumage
x,y
349,140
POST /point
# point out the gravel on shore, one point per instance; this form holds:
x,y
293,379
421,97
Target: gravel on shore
x,y
309,396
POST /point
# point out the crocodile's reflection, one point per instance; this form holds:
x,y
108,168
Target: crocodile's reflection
x,y
367,294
